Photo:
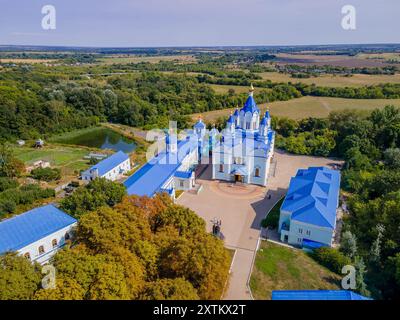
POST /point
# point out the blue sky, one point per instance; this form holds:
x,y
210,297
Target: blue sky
x,y
131,23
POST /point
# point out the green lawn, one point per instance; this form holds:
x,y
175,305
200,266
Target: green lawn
x,y
68,159
281,268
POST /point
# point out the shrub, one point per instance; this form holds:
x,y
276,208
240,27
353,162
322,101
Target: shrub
x,y
46,174
331,258
7,183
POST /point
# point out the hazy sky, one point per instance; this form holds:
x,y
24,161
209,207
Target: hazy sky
x,y
197,22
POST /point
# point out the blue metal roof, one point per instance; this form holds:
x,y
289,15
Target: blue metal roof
x,y
316,295
250,105
183,174
149,179
313,196
110,163
24,229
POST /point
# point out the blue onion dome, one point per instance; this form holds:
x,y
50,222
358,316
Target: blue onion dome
x,y
267,115
200,124
236,113
250,105
231,119
264,121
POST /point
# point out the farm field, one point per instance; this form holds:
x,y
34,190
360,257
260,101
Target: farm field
x,y
305,107
356,80
333,60
137,59
281,268
27,61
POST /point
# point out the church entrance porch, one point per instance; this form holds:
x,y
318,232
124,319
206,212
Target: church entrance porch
x,y
239,178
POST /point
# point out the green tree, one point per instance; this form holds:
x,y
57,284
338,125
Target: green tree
x,y
10,166
169,289
19,278
348,245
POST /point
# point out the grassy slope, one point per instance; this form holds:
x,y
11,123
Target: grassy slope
x,y
308,107
280,268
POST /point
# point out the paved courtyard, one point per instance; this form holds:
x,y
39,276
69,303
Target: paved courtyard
x,y
241,209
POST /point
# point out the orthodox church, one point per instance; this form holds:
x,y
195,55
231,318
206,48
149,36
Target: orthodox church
x,y
244,152
241,153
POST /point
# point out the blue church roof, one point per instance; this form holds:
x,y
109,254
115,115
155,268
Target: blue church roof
x,y
110,163
31,226
149,179
236,113
231,119
316,295
250,105
313,196
199,125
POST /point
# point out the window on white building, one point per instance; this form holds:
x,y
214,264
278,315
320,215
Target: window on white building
x,y
67,236
257,172
308,232
221,168
54,243
299,240
27,255
41,250
181,183
300,230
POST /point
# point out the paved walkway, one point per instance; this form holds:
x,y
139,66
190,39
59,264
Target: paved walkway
x,y
241,209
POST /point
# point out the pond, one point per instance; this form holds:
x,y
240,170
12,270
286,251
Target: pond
x,y
102,138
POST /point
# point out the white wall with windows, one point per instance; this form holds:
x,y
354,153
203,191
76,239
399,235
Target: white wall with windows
x,y
42,250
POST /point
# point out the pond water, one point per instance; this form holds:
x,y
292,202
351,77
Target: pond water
x,y
101,138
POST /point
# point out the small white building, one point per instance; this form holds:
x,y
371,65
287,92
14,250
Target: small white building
x,y
308,213
111,168
36,234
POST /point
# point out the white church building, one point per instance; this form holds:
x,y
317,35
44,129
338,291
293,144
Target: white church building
x,y
245,150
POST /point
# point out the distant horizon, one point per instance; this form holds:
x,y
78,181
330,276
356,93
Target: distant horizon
x,y
200,46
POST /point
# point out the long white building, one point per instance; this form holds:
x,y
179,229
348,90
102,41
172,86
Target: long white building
x,y
111,168
36,234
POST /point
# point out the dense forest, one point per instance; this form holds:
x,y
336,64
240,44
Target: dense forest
x,y
37,101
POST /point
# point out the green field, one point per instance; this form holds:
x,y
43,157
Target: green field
x,y
307,107
281,268
68,159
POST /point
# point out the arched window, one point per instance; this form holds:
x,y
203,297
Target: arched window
x,y
221,168
27,255
257,172
54,243
41,250
67,236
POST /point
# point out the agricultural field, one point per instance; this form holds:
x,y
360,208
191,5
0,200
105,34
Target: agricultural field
x,y
27,61
333,60
355,80
122,59
305,107
281,268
